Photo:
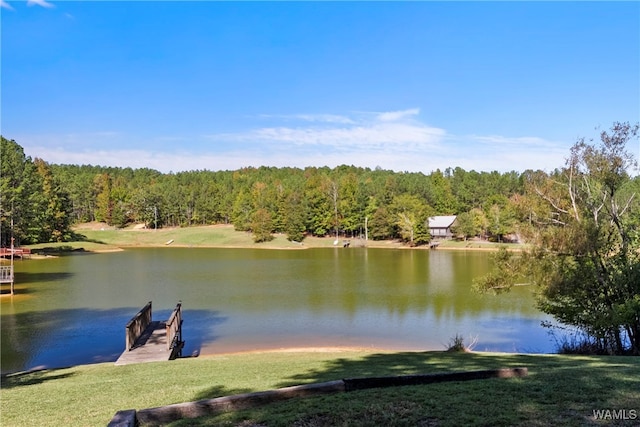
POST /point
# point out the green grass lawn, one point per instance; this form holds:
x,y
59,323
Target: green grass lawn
x,y
560,390
202,236
187,236
95,238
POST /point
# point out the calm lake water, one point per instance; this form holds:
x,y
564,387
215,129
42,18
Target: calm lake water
x,y
73,309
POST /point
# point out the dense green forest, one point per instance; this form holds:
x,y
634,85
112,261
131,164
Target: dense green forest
x,y
582,220
45,200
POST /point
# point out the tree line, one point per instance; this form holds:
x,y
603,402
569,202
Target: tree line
x,y
34,205
581,221
45,200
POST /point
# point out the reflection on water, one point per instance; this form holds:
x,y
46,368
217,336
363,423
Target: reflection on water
x,y
74,309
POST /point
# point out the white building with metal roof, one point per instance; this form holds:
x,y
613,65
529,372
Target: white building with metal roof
x,y
440,226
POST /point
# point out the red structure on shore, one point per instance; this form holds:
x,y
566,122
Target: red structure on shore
x,y
18,252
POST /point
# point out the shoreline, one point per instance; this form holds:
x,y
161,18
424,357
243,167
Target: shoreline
x,y
123,247
231,353
326,349
302,349
98,238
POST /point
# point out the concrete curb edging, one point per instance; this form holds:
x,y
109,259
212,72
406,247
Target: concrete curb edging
x,y
166,414
235,402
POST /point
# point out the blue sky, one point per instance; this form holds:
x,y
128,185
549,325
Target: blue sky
x,y
407,86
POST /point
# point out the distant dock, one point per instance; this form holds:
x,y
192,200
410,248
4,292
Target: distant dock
x,y
152,341
16,252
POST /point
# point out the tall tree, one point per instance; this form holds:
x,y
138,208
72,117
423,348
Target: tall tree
x,y
412,216
262,225
55,224
500,219
321,213
465,226
440,195
294,217
242,211
104,202
586,254
21,198
262,218
351,211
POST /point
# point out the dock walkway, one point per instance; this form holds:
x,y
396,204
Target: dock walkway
x,y
152,341
6,276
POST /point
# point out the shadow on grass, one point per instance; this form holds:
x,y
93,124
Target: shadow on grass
x,y
560,390
78,237
67,247
219,391
22,379
61,251
407,363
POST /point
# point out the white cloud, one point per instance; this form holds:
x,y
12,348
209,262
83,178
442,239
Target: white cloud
x,y
230,157
363,130
5,5
394,140
498,140
393,116
356,136
43,3
322,118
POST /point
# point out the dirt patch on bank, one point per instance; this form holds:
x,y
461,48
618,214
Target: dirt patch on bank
x,y
93,226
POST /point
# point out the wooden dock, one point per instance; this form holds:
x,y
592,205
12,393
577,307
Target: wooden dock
x,y
6,271
6,276
152,341
15,252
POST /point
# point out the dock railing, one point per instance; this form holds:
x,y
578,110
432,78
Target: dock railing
x,y
174,327
19,252
6,274
137,325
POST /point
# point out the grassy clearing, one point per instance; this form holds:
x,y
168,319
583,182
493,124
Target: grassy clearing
x,y
204,236
99,237
188,236
560,390
96,237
